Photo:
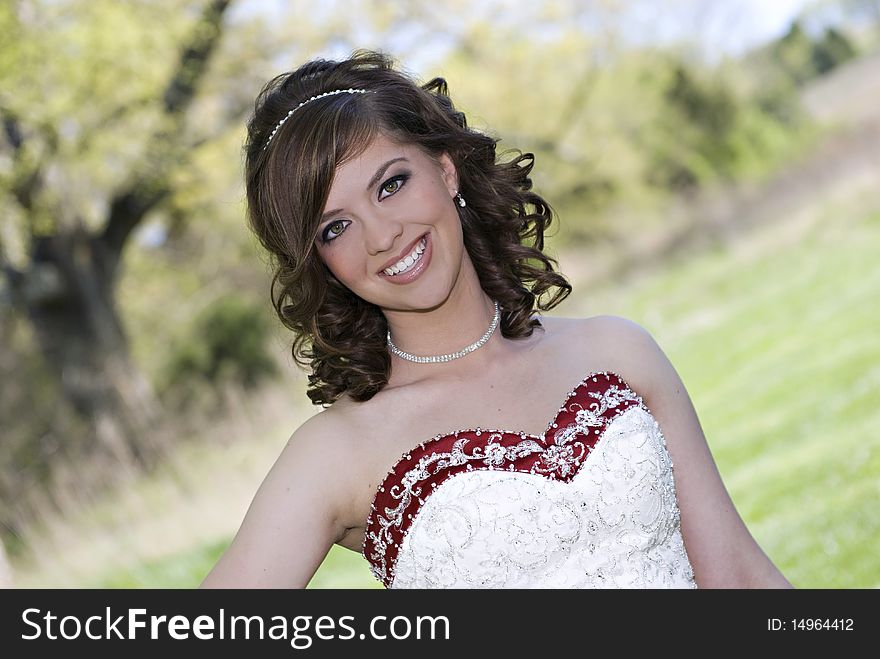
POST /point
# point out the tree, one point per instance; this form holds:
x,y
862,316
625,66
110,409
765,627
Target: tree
x,y
832,50
65,284
794,54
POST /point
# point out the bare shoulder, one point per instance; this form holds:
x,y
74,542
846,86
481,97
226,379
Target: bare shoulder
x,y
627,348
336,437
297,514
327,436
319,449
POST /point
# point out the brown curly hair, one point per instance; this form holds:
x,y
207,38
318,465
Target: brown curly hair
x,y
340,336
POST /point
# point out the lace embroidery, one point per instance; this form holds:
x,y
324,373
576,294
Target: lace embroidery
x,y
580,422
615,524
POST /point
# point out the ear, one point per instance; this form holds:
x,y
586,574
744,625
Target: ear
x,y
449,173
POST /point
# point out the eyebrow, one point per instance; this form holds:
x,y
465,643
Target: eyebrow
x,y
373,181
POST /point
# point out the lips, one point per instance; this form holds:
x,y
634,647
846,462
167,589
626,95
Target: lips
x,y
403,255
416,270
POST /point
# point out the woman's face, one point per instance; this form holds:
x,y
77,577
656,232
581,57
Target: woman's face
x,y
380,206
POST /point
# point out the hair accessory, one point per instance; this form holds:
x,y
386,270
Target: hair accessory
x,y
433,359
460,200
309,100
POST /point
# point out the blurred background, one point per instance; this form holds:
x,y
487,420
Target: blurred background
x,y
714,166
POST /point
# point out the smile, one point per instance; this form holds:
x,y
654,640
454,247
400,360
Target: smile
x,y
412,265
405,264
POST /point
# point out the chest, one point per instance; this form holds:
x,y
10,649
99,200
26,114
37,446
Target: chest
x,y
514,401
526,401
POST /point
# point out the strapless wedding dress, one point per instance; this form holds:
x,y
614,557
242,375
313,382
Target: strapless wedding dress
x,y
590,503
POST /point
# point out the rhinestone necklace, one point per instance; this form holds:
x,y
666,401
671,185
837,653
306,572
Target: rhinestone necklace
x,y
454,355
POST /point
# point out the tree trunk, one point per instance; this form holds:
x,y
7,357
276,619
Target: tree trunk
x,y
69,297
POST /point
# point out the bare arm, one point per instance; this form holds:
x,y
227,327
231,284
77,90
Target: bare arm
x,y
720,547
292,522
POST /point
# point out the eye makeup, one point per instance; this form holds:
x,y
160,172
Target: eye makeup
x,y
327,236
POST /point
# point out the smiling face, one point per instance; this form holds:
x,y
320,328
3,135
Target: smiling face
x,y
380,206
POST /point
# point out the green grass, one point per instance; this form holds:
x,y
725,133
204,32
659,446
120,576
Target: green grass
x,y
778,347
341,569
776,339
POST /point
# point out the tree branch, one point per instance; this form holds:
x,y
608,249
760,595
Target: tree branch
x,y
149,183
25,185
194,60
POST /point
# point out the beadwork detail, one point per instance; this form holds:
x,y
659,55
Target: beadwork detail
x,y
467,509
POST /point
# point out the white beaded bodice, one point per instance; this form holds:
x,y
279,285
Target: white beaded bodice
x,y
590,503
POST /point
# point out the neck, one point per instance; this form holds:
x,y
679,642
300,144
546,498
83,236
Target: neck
x,y
447,328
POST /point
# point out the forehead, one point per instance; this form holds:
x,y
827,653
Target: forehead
x,y
354,173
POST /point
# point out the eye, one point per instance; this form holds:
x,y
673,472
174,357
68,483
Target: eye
x,y
394,184
328,235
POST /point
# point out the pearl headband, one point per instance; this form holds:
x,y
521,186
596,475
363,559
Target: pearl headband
x,y
309,100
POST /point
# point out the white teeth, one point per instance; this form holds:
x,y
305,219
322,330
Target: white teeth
x,y
406,263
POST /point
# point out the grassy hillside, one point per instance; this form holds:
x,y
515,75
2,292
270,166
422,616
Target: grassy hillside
x,y
776,339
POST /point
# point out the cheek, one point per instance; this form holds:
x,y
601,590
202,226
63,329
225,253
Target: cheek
x,y
347,264
342,266
427,201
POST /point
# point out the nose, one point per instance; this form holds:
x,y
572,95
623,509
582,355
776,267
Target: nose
x,y
381,234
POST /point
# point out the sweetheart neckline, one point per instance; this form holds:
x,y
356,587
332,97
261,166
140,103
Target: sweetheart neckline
x,y
434,438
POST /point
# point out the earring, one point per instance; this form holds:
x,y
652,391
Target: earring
x,y
460,200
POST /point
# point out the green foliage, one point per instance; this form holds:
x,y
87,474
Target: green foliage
x,y
707,130
793,53
831,51
85,80
227,341
779,101
700,117
623,133
801,58
185,570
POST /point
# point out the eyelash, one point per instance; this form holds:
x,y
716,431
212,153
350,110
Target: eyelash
x,y
403,178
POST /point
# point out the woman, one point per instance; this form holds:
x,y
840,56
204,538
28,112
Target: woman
x,y
399,242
